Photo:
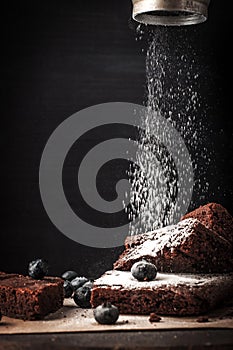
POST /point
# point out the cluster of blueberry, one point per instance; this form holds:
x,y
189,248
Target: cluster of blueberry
x,y
79,288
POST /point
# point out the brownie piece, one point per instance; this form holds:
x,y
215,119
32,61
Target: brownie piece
x,y
187,247
168,294
215,217
29,299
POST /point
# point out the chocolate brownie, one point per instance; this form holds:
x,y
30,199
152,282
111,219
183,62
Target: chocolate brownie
x,y
168,294
29,299
187,247
215,217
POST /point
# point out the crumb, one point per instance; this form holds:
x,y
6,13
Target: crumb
x,y
202,319
126,321
154,318
64,316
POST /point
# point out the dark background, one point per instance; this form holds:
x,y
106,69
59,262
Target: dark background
x,y
59,57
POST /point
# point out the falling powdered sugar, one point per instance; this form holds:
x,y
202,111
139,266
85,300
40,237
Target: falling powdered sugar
x,y
172,84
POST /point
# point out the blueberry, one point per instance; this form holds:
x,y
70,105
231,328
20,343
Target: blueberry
x,y
106,313
38,268
88,284
144,271
69,275
82,297
68,290
78,282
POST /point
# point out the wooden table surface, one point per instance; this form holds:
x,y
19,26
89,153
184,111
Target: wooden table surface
x,y
74,328
186,339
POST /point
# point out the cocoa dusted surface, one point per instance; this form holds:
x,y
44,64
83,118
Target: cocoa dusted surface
x,y
29,299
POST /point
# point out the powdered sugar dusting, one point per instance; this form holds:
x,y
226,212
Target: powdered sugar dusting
x,y
172,91
170,237
124,279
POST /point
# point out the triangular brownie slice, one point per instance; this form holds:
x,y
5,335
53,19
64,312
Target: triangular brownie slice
x,y
215,217
187,247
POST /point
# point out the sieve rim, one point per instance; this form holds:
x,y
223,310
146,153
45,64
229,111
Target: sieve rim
x,y
179,20
176,12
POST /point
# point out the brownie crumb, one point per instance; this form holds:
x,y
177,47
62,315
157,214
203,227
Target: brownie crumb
x,y
154,318
202,319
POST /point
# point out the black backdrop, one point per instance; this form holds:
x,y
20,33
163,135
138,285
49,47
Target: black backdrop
x,y
59,57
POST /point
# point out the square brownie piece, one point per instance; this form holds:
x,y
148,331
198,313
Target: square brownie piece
x,y
168,294
29,299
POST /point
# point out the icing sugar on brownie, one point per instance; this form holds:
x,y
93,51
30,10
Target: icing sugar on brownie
x,y
168,294
125,279
185,247
170,236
